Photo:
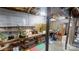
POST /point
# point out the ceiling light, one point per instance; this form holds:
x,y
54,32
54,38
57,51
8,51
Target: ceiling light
x,y
52,19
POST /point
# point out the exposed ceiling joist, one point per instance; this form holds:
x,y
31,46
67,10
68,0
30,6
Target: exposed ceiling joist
x,y
29,10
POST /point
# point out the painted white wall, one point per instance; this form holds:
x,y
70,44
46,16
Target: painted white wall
x,y
12,18
36,19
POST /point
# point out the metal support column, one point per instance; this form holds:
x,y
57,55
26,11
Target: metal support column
x,y
67,34
75,24
47,29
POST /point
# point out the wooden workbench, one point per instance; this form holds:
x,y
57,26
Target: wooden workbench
x,y
19,40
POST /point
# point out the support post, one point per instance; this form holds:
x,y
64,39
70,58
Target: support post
x,y
47,29
67,34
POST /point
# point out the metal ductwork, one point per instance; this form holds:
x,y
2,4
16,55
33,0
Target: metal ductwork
x,y
74,12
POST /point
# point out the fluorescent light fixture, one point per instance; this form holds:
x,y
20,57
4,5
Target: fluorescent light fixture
x,y
70,24
52,19
61,17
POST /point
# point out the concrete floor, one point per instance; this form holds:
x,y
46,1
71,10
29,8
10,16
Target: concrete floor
x,y
55,46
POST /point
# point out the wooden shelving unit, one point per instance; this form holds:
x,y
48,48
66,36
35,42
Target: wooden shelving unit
x,y
24,43
14,28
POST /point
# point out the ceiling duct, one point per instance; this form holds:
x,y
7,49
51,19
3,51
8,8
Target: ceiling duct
x,y
74,12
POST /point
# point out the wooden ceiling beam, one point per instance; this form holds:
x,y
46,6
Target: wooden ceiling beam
x,y
33,10
29,9
21,9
